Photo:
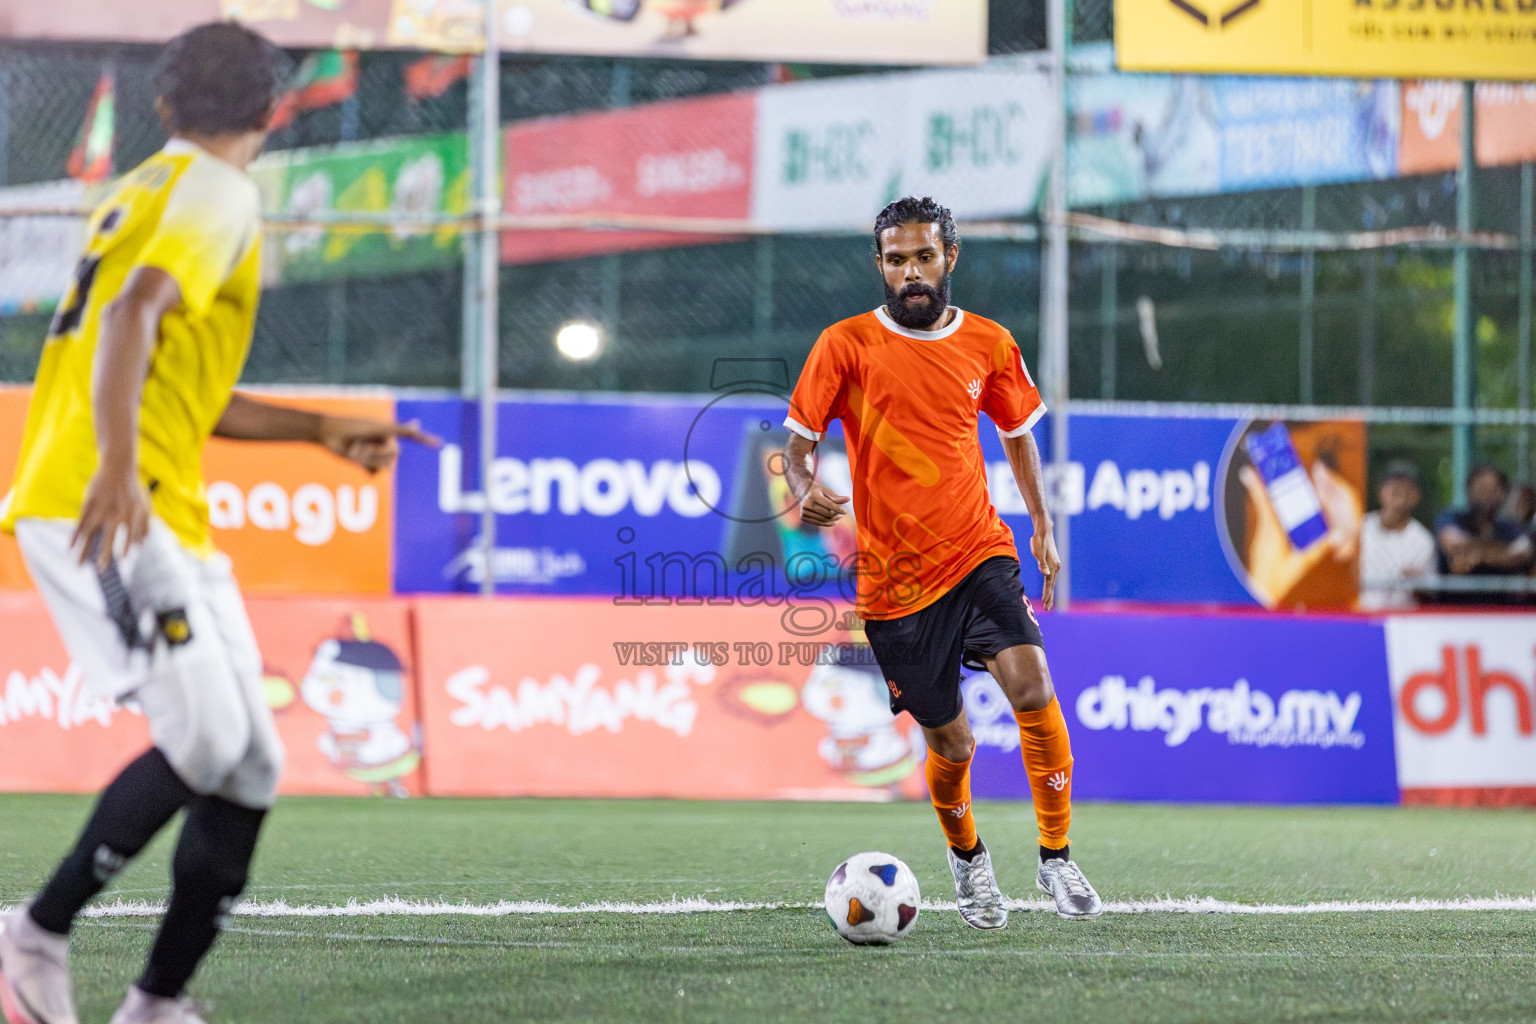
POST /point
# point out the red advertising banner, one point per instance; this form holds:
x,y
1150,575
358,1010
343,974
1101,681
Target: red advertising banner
x,y
690,158
582,697
1431,133
294,519
339,678
1464,695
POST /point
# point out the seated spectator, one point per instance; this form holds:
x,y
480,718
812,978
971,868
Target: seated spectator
x,y
1476,540
1521,508
1394,546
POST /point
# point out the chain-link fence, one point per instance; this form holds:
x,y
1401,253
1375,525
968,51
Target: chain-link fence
x,y
1236,322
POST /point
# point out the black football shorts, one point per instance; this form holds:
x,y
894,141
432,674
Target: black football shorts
x,y
921,654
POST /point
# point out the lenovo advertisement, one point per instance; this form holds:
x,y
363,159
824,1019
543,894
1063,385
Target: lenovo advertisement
x,y
667,497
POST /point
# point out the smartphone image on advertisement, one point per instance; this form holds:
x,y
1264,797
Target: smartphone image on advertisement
x,y
1290,489
764,518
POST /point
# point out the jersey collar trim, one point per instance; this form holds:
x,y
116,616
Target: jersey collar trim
x,y
896,328
177,146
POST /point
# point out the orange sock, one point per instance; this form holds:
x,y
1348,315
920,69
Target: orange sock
x,y
949,785
1048,761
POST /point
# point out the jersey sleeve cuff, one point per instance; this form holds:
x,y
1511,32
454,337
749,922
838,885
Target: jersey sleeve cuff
x,y
1028,425
803,430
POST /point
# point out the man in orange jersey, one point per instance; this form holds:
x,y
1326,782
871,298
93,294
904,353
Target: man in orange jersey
x,y
938,571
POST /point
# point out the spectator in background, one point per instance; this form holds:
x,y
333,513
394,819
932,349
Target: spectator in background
x,y
1394,546
1521,508
1476,540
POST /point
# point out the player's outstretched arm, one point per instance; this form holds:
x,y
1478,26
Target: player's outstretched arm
x,y
372,444
819,504
1024,457
116,504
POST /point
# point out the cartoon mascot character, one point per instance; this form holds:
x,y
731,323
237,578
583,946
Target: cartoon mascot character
x,y
359,686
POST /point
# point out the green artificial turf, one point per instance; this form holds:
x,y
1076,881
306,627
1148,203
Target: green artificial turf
x,y
787,964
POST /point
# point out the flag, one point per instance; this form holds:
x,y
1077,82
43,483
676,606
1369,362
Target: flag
x,y
430,77
91,159
323,80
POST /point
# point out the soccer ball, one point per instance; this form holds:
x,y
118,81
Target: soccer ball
x,y
872,899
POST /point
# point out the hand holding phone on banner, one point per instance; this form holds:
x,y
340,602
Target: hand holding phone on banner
x,y
1276,562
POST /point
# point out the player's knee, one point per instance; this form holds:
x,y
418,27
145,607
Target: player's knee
x,y
957,752
954,745
203,862
1031,694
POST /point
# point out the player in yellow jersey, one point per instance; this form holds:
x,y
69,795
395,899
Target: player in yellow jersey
x,y
109,510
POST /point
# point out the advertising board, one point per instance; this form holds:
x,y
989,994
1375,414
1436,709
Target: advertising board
x,y
339,676
1205,708
412,176
1138,136
840,31
625,495
1463,688
590,697
1353,38
586,697
830,154
1504,117
294,518
688,158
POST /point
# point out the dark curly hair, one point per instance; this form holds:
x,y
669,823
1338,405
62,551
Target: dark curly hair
x,y
218,78
912,210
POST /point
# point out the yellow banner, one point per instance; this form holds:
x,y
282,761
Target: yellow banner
x,y
1476,39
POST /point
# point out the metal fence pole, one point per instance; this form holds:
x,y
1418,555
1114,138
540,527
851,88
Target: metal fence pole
x,y
1372,275
489,181
1109,316
1462,380
5,125
1308,297
1523,334
1053,295
469,249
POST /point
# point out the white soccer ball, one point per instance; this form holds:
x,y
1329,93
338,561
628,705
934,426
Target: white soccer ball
x,y
872,899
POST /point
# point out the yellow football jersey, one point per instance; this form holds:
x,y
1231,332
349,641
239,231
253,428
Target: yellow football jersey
x,y
197,218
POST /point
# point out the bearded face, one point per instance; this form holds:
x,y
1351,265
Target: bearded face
x,y
918,306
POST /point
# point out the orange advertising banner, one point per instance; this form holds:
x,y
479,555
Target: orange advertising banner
x,y
1431,133
294,518
55,737
338,677
582,697
13,421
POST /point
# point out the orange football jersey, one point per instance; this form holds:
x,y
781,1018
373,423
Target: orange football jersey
x,y
909,402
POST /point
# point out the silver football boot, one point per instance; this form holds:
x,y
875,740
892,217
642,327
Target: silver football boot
x,y
142,1008
34,973
977,896
1063,881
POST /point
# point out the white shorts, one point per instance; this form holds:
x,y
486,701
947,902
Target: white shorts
x,y
203,696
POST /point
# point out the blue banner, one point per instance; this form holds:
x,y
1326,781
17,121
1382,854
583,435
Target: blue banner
x,y
1205,708
595,497
678,497
1132,136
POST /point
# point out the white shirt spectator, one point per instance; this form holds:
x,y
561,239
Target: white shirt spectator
x,y
1389,556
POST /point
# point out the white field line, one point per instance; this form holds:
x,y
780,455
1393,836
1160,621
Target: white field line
x,y
781,951
1164,905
